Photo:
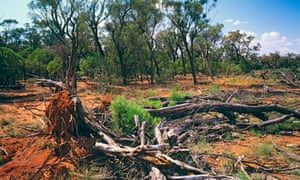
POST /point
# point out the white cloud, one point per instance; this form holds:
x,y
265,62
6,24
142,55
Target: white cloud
x,y
229,20
235,22
249,33
297,41
274,41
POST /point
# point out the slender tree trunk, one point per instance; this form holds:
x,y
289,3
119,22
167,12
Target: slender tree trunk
x,y
205,58
191,59
183,61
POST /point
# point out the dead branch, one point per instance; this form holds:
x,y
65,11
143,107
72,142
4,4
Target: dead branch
x,y
290,79
239,162
231,96
268,122
4,151
291,155
182,110
155,174
203,176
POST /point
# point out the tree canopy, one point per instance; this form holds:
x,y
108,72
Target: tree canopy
x,y
123,41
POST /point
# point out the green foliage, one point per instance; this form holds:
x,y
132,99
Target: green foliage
x,y
255,132
214,90
10,66
289,125
263,150
297,172
54,67
241,175
154,103
175,95
123,112
36,63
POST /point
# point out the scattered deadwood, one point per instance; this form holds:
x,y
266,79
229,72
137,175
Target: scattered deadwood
x,y
291,155
57,85
182,110
290,79
69,119
266,123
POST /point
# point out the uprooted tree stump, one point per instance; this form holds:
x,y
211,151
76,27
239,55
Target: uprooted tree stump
x,y
65,120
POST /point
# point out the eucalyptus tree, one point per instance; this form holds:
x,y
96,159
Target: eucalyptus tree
x,y
98,12
207,41
148,16
238,48
62,18
169,43
118,26
7,25
189,17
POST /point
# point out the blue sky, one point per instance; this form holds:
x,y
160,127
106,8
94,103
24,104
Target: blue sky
x,y
274,23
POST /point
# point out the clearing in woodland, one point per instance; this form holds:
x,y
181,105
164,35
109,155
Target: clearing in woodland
x,y
231,128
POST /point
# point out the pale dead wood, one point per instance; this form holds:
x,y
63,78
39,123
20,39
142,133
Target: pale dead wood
x,y
203,177
291,155
268,122
4,151
231,96
290,79
155,174
239,162
142,134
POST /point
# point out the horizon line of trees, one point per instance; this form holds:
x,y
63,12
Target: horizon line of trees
x,y
117,41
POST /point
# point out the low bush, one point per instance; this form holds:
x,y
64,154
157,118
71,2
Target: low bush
x,y
123,112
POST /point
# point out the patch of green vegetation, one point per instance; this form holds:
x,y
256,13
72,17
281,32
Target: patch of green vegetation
x,y
123,112
228,136
153,103
289,125
214,90
274,76
151,92
175,95
272,129
85,170
232,80
241,175
263,150
297,172
255,132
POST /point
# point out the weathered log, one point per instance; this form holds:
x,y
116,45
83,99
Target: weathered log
x,y
182,110
51,83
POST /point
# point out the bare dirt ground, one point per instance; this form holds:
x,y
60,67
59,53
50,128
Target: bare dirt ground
x,y
27,147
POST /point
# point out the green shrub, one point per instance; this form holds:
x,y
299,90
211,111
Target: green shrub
x,y
177,96
123,112
154,103
255,132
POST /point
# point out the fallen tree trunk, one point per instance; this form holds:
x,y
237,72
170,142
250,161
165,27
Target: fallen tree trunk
x,y
182,110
